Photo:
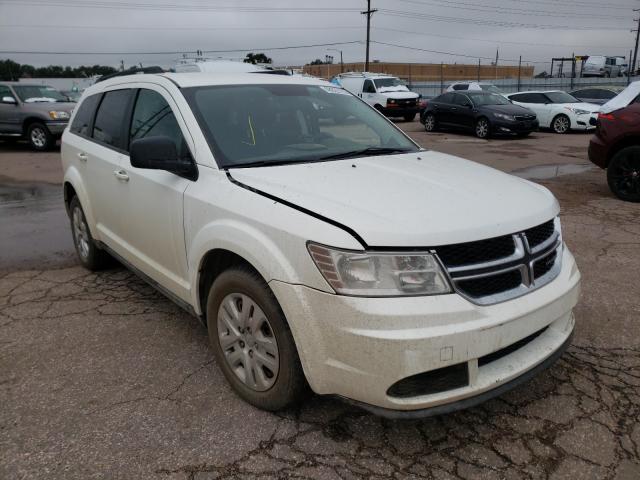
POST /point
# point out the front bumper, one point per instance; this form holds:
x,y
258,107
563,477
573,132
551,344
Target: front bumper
x,y
581,122
57,128
358,348
516,127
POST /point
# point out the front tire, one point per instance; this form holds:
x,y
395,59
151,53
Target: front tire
x,y
561,124
430,122
483,128
623,174
40,137
410,117
90,256
252,341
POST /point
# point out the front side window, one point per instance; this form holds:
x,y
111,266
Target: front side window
x,y
108,127
152,117
82,121
38,94
249,125
388,82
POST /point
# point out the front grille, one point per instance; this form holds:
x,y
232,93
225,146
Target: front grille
x,y
491,285
540,234
476,252
500,268
544,265
435,381
523,118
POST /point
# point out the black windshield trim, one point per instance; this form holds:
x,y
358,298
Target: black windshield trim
x,y
311,213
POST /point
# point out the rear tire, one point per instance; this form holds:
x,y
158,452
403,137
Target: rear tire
x,y
561,124
40,137
430,124
623,174
254,348
91,257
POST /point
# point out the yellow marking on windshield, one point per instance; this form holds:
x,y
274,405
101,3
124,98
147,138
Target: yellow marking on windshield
x,y
253,135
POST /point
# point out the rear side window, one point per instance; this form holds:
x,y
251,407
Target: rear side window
x,y
82,121
461,100
461,86
109,127
152,117
446,98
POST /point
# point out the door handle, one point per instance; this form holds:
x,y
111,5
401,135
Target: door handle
x,y
121,175
83,156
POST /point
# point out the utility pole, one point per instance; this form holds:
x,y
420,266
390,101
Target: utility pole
x,y
635,52
519,67
368,13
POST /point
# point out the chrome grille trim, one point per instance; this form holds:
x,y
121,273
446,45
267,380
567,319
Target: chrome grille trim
x,y
523,260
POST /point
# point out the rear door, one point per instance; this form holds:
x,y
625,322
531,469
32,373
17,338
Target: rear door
x,y
153,199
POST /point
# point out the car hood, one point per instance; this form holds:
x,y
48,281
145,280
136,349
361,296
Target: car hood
x,y
49,106
507,109
422,199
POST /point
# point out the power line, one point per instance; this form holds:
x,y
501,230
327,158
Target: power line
x,y
177,52
172,27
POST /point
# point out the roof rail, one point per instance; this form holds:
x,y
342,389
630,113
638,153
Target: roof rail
x,y
131,71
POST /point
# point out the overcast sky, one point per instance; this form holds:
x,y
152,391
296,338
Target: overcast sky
x,y
537,30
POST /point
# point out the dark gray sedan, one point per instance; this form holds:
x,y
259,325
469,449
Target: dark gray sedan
x,y
597,95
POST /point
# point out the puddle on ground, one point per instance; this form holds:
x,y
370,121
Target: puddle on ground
x,y
544,172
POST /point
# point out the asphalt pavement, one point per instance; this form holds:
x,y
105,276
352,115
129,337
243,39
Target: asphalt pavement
x,y
103,377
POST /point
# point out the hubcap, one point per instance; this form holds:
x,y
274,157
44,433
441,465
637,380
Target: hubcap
x,y
482,128
562,124
38,137
80,233
248,343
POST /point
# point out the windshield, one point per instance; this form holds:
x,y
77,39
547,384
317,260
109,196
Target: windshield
x,y
249,125
38,93
388,82
561,97
480,99
490,88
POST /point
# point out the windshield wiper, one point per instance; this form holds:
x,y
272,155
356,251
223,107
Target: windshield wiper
x,y
366,152
266,163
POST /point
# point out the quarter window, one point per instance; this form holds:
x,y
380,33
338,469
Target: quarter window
x,y
82,121
110,119
152,117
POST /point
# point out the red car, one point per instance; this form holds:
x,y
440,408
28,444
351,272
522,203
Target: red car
x,y
616,147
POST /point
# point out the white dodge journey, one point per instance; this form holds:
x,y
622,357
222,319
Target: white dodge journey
x,y
322,248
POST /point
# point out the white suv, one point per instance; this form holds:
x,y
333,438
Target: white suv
x,y
320,246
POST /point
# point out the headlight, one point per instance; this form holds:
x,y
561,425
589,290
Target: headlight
x,y
375,274
58,115
504,117
391,101
578,111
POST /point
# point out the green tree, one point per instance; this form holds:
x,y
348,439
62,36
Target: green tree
x,y
257,58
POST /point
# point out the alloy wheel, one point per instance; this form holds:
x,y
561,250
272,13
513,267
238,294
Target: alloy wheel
x,y
429,123
561,124
248,342
80,233
482,128
38,137
625,176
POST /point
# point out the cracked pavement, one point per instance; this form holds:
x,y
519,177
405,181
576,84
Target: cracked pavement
x,y
103,377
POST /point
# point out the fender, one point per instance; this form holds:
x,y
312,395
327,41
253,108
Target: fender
x,y
255,247
73,177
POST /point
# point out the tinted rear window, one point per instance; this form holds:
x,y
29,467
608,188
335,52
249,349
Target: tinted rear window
x,y
109,127
82,121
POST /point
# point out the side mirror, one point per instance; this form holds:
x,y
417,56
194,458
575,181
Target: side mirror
x,y
593,121
160,153
10,100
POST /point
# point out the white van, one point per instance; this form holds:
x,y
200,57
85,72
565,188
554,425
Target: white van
x,y
384,92
601,66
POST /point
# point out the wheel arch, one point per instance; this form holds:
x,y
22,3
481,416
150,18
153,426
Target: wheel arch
x,y
630,141
30,120
74,187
